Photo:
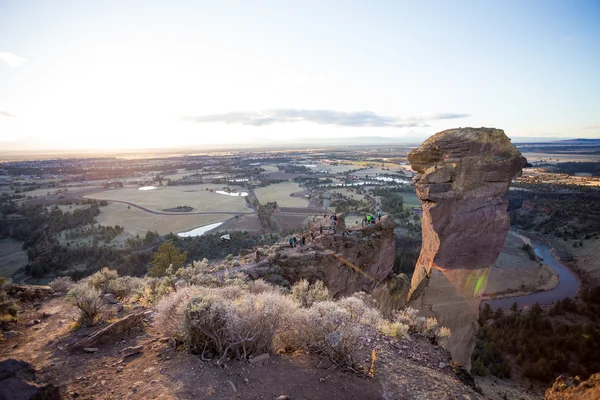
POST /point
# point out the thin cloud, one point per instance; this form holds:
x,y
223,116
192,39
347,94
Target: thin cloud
x,y
7,114
591,127
12,59
322,117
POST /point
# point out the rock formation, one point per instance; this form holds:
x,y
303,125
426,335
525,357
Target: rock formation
x,y
463,175
348,261
18,380
568,388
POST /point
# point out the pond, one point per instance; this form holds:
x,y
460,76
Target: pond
x,y
200,230
236,194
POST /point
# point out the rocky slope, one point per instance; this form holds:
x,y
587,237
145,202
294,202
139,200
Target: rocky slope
x,y
140,363
463,175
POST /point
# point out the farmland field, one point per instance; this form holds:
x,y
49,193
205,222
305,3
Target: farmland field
x,y
165,197
136,221
12,257
280,193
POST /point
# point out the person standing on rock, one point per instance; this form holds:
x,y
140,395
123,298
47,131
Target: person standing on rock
x,y
302,241
291,242
295,240
379,215
321,230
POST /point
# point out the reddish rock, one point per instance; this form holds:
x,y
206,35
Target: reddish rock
x,y
567,388
462,177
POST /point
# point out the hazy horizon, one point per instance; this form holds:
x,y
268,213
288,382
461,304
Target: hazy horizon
x,y
147,75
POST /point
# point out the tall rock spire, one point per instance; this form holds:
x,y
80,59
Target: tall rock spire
x,y
463,175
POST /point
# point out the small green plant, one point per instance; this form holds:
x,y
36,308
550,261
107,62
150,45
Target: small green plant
x,y
89,301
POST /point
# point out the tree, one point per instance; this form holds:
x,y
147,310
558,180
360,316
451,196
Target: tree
x,y
166,255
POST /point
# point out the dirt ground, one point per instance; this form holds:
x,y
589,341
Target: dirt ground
x,y
162,372
586,257
12,257
137,221
515,273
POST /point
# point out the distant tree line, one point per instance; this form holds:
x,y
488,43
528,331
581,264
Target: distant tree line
x,y
542,345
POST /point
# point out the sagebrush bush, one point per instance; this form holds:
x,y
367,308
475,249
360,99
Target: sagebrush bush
x,y
89,301
62,284
8,307
169,312
231,322
152,290
425,326
306,295
260,286
107,281
328,328
393,329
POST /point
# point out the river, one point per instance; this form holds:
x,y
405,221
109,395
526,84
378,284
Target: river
x,y
567,284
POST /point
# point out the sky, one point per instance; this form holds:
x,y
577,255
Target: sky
x,y
148,74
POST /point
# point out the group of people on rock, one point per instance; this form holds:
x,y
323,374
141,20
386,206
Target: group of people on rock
x,y
301,239
371,219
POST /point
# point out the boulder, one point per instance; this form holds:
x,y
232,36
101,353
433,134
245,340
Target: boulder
x,y
130,351
462,178
569,388
112,331
18,381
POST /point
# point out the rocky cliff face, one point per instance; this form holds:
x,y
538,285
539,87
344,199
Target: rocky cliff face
x,y
463,175
348,261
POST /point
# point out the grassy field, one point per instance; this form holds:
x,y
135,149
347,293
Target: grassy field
x,y
136,221
195,196
280,193
554,158
12,257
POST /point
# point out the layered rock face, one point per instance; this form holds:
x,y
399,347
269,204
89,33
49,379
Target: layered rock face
x,y
348,261
463,175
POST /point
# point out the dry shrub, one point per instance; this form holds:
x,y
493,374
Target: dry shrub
x,y
195,274
425,326
62,284
89,301
169,312
230,322
152,290
306,295
107,281
330,329
8,307
260,286
393,329
130,284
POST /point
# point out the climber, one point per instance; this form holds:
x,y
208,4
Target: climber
x,y
379,215
295,240
302,241
291,242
